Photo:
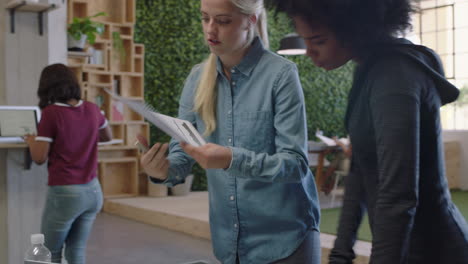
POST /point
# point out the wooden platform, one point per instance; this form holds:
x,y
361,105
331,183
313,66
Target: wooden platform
x,y
189,214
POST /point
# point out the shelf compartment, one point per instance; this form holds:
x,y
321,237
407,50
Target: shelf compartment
x,y
118,130
118,176
76,58
138,65
139,50
96,95
132,129
117,152
105,36
115,10
130,11
133,85
120,63
98,78
98,58
77,8
125,30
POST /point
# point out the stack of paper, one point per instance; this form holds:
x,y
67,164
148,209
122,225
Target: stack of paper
x,y
179,129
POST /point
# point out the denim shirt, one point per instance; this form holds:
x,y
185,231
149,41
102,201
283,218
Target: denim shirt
x,y
263,205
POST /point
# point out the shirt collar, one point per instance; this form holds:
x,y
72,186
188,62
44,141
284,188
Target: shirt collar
x,y
67,105
250,59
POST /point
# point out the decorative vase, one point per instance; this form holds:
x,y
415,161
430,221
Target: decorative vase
x,y
183,188
76,45
156,190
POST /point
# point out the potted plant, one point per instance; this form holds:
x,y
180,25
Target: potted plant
x,y
82,29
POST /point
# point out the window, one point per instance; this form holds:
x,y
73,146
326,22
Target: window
x,y
442,25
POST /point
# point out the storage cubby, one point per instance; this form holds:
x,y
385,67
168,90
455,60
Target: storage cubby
x,y
121,73
118,131
143,183
100,78
130,115
133,129
77,8
125,31
130,11
119,61
98,58
108,152
119,176
138,65
97,95
114,9
78,71
106,35
135,86
139,50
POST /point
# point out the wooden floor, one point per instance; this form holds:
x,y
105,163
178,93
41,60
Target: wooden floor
x,y
189,215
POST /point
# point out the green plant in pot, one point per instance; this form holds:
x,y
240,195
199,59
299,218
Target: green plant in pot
x,y
82,29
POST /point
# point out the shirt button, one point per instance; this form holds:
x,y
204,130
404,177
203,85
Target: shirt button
x,y
231,197
235,225
233,83
230,140
233,71
229,112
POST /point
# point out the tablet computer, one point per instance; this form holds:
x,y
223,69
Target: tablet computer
x,y
16,121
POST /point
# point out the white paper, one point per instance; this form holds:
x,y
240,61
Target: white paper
x,y
329,141
179,129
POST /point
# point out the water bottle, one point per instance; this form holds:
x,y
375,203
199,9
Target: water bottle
x,y
37,252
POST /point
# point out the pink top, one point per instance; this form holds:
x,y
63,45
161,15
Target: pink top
x,y
73,132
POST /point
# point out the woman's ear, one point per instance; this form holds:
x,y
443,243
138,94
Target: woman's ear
x,y
252,20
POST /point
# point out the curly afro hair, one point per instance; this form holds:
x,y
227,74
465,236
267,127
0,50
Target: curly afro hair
x,y
358,24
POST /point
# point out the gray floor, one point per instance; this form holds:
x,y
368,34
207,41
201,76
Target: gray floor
x,y
116,240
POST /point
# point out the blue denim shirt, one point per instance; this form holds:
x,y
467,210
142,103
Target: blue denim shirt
x,y
263,205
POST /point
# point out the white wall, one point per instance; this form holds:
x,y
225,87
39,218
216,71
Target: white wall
x,y
2,53
57,30
462,137
23,55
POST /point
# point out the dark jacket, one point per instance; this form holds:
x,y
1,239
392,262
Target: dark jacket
x,y
397,171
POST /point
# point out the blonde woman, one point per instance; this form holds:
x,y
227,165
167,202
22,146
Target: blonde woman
x,y
249,105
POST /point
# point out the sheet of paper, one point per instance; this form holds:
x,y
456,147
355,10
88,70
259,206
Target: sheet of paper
x,y
330,141
179,129
326,140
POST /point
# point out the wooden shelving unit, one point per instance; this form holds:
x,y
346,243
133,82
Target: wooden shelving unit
x,y
119,171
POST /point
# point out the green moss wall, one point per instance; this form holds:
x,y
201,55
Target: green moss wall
x,y
172,34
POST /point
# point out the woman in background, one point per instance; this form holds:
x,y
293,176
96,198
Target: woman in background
x,y
67,138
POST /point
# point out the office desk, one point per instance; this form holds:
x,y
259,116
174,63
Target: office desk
x,y
322,150
22,196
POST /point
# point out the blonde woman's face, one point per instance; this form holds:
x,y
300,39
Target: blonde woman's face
x,y
224,27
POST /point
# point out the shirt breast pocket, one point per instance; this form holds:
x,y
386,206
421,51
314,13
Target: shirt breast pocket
x,y
256,131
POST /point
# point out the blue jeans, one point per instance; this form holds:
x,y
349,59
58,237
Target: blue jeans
x,y
68,217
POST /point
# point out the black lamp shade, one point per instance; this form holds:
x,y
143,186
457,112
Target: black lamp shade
x,y
292,44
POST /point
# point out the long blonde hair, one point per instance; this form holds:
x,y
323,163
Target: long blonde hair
x,y
206,94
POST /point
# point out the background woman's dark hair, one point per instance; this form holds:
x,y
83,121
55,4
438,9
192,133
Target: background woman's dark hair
x,y
359,24
57,84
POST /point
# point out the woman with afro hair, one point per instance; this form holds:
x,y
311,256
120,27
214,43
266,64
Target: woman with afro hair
x,y
397,172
